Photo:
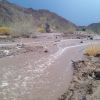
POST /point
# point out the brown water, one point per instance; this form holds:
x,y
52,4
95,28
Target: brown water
x,y
35,76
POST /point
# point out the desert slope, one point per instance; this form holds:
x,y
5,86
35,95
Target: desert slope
x,y
30,20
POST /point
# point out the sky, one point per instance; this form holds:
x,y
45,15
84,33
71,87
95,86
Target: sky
x,y
80,12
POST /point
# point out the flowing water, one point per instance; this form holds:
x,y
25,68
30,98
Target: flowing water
x,y
32,77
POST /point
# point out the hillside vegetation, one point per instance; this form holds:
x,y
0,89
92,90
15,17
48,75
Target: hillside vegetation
x,y
27,20
95,27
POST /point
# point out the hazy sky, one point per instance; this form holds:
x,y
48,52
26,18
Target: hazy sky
x,y
80,12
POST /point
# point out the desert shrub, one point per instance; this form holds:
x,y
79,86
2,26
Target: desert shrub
x,y
41,30
92,50
5,31
25,35
83,29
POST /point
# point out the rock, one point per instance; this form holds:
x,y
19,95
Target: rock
x,y
20,45
89,89
78,37
45,50
97,74
81,42
96,60
6,52
84,98
63,97
98,55
91,38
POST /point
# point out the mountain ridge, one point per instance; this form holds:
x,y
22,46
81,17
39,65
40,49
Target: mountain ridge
x,y
30,20
95,27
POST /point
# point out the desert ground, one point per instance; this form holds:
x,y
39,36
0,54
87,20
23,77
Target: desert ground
x,y
40,67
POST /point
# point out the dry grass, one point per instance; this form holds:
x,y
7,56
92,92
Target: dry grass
x,y
41,30
5,31
93,50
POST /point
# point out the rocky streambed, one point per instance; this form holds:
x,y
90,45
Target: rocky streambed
x,y
86,81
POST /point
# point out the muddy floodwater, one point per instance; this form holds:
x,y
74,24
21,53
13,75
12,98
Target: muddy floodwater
x,y
38,75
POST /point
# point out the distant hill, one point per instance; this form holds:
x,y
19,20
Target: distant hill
x,y
28,20
92,28
95,27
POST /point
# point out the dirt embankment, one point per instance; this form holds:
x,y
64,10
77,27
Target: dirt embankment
x,y
86,81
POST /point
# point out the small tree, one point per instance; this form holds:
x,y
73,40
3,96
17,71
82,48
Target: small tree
x,y
83,29
47,28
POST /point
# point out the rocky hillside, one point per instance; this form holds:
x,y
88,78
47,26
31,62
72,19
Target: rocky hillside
x,y
94,27
28,20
